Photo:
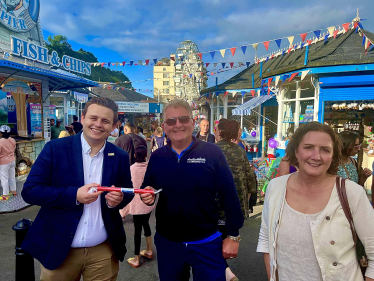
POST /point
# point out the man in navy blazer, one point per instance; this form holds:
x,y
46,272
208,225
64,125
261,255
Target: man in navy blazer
x,y
77,232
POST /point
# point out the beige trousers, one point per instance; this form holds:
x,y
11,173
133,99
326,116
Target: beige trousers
x,y
95,263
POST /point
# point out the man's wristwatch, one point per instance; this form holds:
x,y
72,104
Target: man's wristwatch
x,y
235,238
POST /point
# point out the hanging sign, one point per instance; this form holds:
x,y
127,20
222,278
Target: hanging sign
x,y
18,87
3,107
19,15
132,107
80,97
40,54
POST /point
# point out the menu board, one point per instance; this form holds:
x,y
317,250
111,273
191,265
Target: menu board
x,y
36,119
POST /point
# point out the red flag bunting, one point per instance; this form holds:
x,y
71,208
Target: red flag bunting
x,y
172,58
303,36
269,83
102,64
266,44
355,24
146,62
226,93
211,73
231,64
346,26
253,92
309,42
336,33
293,76
289,50
200,56
207,64
123,63
233,51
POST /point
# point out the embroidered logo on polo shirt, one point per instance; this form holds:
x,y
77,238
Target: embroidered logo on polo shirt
x,y
196,160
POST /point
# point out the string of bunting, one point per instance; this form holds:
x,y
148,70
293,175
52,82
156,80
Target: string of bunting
x,y
331,32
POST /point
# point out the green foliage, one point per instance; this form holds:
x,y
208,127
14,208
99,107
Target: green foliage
x,y
60,44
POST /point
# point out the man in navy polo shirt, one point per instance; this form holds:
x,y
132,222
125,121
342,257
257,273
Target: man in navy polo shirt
x,y
191,173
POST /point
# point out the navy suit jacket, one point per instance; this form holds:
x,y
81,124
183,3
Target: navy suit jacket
x,y
53,183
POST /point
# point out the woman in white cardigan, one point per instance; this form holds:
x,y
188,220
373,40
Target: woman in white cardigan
x,y
305,234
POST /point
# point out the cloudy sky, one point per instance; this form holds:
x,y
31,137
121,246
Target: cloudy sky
x,y
124,30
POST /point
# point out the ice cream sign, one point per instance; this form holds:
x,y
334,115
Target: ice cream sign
x,y
38,53
19,15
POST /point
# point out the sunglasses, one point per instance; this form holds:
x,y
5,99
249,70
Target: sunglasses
x,y
173,121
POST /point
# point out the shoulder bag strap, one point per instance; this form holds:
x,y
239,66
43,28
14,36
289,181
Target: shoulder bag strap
x,y
345,168
342,193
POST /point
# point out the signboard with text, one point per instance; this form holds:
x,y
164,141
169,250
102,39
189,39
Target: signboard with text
x,y
36,118
132,107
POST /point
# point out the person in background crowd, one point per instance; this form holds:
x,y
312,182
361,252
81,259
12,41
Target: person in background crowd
x,y
305,234
285,167
140,132
244,176
158,140
78,232
7,163
129,141
141,212
69,132
186,217
114,134
52,122
238,139
348,167
77,126
57,129
204,134
120,128
154,125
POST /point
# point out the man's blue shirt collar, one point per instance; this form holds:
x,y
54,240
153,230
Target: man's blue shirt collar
x,y
183,151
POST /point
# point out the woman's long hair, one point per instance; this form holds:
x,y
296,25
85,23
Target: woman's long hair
x,y
348,139
229,129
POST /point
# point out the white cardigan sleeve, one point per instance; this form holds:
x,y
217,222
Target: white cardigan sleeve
x,y
363,218
263,239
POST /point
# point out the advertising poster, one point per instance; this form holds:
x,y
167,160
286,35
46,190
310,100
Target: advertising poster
x,y
3,108
36,119
52,112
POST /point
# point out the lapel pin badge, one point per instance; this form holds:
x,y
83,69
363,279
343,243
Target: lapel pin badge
x,y
110,154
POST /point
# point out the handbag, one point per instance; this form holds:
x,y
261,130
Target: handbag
x,y
360,249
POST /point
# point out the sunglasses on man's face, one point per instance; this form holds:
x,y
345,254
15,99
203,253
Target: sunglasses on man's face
x,y
173,121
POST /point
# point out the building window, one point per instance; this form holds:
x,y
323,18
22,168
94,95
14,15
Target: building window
x,y
167,91
165,75
166,83
164,69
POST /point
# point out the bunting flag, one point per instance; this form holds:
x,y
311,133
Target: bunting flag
x,y
346,26
243,93
117,64
233,51
131,62
215,64
278,41
253,92
212,54
102,64
336,33
223,65
303,36
326,36
277,80
363,39
285,76
317,33
304,73
247,63
231,64
255,46
331,30
190,75
293,76
207,64
226,93
266,44
244,48
355,25
222,52
309,42
262,83
140,62
290,39
200,56
155,61
146,62
269,83
258,92
109,64
123,63
172,58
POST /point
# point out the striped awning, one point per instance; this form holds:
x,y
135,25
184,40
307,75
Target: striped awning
x,y
245,108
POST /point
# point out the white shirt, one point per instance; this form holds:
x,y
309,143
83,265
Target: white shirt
x,y
91,230
295,247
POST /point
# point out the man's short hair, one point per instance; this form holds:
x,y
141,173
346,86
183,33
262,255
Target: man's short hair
x,y
75,118
51,119
106,102
140,129
176,103
131,127
155,123
204,120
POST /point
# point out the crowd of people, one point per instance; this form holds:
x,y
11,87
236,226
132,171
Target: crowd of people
x,y
207,186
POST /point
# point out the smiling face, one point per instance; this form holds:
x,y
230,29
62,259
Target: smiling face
x,y
315,153
97,124
204,126
180,134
